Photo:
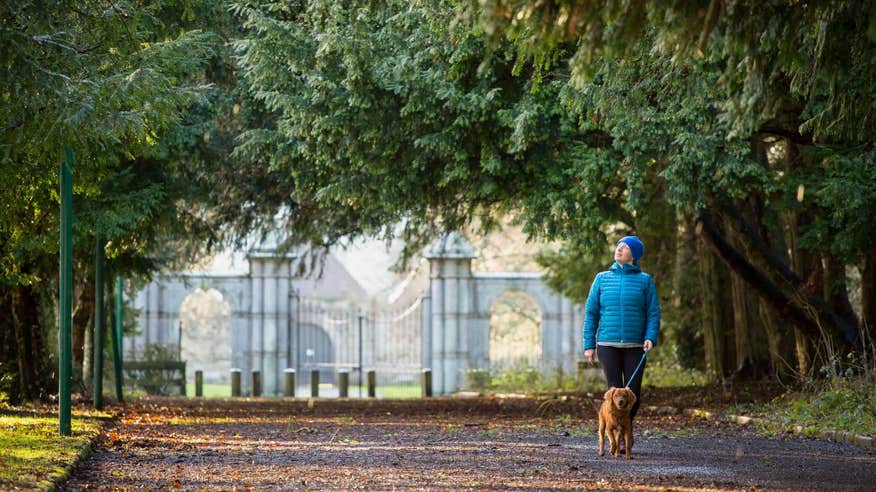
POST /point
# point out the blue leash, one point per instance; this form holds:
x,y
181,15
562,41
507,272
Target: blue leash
x,y
637,370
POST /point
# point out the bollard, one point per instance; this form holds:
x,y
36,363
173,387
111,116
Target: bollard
x,y
235,382
426,382
199,383
289,387
314,383
256,383
372,383
343,383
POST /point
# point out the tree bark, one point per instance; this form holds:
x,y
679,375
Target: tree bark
x,y
868,298
752,351
686,313
82,318
836,287
780,341
21,346
788,294
27,347
717,321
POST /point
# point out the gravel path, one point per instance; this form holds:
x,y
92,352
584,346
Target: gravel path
x,y
445,444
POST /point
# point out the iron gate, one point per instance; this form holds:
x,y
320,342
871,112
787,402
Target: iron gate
x,y
330,336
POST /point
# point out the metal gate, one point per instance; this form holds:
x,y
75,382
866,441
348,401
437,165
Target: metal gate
x,y
330,336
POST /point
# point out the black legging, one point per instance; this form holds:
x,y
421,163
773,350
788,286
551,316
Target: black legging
x,y
618,365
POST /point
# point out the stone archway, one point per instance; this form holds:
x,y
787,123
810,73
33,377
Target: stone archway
x,y
515,332
205,334
460,312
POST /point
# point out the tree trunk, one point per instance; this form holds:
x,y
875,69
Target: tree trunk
x,y
82,319
836,287
779,332
27,347
21,349
788,294
779,341
868,299
752,351
686,313
716,318
88,356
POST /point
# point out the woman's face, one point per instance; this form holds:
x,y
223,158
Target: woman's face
x,y
622,254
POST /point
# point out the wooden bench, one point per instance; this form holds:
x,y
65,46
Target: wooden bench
x,y
172,371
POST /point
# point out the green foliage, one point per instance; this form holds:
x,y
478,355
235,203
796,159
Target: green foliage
x,y
154,381
840,185
849,408
477,380
527,380
665,375
816,55
142,93
390,114
111,84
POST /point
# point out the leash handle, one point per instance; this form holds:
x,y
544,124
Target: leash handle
x,y
637,370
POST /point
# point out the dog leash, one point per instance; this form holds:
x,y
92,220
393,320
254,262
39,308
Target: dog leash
x,y
637,370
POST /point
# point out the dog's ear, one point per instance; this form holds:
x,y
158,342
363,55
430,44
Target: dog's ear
x,y
609,393
632,397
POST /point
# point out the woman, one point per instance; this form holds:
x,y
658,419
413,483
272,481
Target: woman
x,y
622,318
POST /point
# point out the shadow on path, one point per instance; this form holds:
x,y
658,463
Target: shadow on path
x,y
444,444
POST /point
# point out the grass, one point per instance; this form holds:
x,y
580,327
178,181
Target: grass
x,y
32,453
848,407
397,391
532,381
385,391
662,376
211,390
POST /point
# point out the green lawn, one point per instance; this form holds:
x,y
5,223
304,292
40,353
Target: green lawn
x,y
210,390
396,391
32,453
389,391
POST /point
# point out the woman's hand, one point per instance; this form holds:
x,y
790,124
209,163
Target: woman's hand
x,y
648,345
589,353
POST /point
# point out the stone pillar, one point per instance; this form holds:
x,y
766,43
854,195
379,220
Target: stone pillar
x,y
550,338
270,272
571,349
241,333
451,289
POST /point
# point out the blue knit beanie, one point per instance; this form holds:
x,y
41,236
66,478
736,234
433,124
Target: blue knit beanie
x,y
636,246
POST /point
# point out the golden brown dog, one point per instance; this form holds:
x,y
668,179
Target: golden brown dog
x,y
614,418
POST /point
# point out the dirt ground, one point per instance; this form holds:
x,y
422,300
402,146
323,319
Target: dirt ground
x,y
445,443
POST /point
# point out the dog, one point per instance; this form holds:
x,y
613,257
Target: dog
x,y
614,419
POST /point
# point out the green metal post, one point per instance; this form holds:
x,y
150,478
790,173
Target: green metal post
x,y
343,383
117,339
235,382
289,386
65,301
426,383
372,383
314,383
199,383
256,383
99,319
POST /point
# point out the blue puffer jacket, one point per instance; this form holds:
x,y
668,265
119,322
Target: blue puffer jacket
x,y
622,307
